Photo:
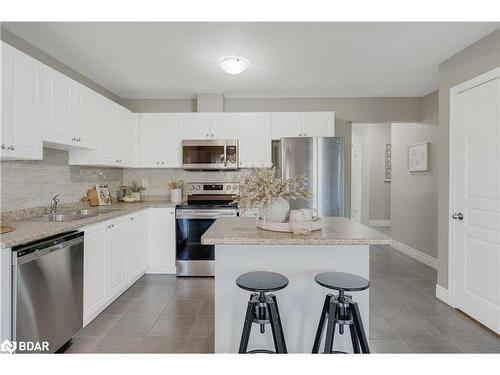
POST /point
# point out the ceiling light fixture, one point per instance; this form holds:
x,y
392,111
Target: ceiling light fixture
x,y
234,64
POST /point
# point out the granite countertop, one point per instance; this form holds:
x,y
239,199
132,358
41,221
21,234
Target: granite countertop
x,y
27,231
335,231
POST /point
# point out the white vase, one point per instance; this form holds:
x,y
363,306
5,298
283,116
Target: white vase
x,y
276,211
176,195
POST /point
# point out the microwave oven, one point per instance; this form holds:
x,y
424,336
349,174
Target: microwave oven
x,y
211,154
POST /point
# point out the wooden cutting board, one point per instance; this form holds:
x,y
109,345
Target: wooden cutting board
x,y
6,229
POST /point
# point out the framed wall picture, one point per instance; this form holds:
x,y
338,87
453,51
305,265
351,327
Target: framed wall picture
x,y
418,157
103,195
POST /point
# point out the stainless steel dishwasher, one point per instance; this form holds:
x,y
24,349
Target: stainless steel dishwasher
x,y
47,292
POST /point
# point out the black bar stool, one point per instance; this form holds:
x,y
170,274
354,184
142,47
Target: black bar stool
x,y
262,309
341,310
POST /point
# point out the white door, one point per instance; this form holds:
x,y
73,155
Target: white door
x,y
197,126
286,124
151,140
318,124
117,245
172,140
86,116
59,108
356,175
22,93
95,271
475,194
254,133
162,240
224,125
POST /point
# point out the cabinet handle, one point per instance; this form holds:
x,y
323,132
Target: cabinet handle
x,y
305,134
2,147
157,162
131,218
208,135
10,148
212,135
300,134
162,162
79,139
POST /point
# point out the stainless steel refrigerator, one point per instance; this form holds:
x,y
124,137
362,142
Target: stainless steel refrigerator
x,y
321,160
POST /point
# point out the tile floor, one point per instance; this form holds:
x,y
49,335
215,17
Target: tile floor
x,y
163,314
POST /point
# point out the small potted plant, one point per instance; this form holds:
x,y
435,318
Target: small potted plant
x,y
136,189
176,190
262,190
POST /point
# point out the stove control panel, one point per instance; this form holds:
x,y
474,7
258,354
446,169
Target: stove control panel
x,y
224,188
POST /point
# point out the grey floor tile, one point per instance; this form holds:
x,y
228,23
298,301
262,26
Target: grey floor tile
x,y
379,328
183,306
82,345
172,326
100,325
433,346
204,325
108,344
389,346
153,344
204,344
131,327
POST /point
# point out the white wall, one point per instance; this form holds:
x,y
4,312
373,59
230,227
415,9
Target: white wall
x,y
414,195
375,193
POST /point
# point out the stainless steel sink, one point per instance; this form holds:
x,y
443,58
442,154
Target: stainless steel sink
x,y
73,215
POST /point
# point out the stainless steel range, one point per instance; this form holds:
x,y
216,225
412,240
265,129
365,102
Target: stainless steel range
x,y
206,202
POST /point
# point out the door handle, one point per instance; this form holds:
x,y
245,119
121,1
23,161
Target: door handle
x,y
457,216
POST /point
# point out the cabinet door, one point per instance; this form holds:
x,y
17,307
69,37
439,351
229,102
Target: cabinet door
x,y
108,147
116,242
86,116
172,140
22,93
318,124
286,124
162,240
59,108
124,136
95,271
224,126
196,126
254,133
151,137
138,244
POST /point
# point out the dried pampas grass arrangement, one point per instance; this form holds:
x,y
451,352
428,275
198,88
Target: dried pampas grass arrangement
x,y
261,187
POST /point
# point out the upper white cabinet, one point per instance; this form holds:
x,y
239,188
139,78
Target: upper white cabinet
x,y
303,124
22,104
254,134
203,125
160,140
86,116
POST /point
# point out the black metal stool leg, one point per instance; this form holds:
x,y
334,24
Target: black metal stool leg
x,y
354,338
279,322
321,325
330,329
247,325
276,328
358,323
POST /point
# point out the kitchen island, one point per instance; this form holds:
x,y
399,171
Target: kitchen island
x,y
341,245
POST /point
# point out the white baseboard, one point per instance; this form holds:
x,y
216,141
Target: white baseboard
x,y
415,254
442,294
379,223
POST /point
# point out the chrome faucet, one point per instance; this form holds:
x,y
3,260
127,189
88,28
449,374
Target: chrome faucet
x,y
53,204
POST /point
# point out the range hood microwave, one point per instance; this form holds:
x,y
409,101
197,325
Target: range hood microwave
x,y
210,154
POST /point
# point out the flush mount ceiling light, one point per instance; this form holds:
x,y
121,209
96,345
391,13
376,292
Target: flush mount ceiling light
x,y
234,64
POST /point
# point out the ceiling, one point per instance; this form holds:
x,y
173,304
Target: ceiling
x,y
162,60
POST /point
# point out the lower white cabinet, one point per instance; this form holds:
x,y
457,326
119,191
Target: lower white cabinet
x,y
115,256
162,240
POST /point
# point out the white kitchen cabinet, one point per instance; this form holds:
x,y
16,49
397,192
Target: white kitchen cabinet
x,y
137,243
286,124
95,270
224,125
162,241
116,242
196,126
318,124
205,125
254,134
22,106
160,140
86,116
303,124
58,108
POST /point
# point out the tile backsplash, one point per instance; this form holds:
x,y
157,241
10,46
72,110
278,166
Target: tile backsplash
x,y
157,179
27,184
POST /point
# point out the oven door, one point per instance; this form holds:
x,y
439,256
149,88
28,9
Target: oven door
x,y
209,154
193,258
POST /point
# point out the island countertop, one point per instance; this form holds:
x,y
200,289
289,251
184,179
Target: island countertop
x,y
335,231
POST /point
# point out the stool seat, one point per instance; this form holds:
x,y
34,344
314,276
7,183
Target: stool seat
x,y
342,281
262,281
